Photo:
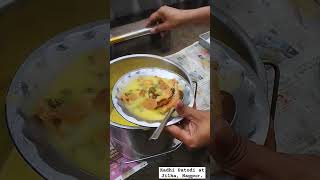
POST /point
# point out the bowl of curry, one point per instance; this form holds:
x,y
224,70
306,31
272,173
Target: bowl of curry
x,y
134,80
144,96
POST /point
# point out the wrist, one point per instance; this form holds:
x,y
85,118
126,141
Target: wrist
x,y
187,16
238,153
227,147
197,16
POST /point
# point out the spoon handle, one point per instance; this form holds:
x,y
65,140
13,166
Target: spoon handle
x,y
130,35
159,129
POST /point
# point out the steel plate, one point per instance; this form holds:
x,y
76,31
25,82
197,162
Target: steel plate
x,y
163,73
30,81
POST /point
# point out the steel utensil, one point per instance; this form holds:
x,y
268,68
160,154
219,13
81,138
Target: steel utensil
x,y
130,35
159,129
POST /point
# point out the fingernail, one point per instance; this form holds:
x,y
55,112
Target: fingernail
x,y
179,104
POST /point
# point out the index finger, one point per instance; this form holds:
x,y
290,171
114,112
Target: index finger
x,y
184,110
153,18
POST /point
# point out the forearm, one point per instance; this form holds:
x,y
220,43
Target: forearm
x,y
198,16
252,161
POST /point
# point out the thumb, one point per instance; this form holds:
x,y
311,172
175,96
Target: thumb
x,y
184,110
178,132
161,27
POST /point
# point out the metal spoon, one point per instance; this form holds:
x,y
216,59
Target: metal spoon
x,y
159,129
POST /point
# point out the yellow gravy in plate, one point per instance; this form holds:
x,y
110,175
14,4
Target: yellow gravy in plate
x,y
151,97
73,111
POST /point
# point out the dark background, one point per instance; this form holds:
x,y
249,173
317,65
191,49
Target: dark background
x,y
24,26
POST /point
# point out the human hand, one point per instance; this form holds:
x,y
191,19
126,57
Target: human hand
x,y
168,18
194,131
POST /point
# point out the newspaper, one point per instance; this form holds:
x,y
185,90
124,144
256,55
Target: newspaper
x,y
118,169
288,36
196,61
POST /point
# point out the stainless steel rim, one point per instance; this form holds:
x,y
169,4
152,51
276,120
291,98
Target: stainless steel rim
x,y
166,60
132,118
